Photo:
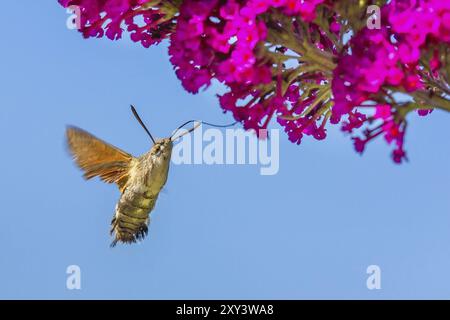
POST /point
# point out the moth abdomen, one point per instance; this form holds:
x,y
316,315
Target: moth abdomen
x,y
131,218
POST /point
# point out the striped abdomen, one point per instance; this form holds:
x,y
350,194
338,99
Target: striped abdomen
x,y
131,219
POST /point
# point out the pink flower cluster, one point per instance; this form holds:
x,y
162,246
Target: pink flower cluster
x,y
245,44
386,59
222,40
389,56
100,17
393,132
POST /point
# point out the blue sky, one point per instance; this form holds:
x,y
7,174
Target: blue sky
x,y
217,231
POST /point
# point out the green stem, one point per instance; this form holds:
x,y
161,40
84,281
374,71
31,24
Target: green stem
x,y
428,101
320,58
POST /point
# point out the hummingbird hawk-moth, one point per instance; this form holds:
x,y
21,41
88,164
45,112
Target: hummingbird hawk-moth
x,y
140,179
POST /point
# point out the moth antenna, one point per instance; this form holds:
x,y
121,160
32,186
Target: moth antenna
x,y
196,126
136,115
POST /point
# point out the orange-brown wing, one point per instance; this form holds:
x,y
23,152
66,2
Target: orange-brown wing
x,y
98,158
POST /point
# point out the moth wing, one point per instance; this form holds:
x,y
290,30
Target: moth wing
x,y
98,158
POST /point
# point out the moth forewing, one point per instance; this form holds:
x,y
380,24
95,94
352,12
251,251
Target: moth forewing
x,y
98,158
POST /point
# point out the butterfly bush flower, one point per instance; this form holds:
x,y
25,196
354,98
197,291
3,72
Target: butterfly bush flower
x,y
304,64
401,57
149,22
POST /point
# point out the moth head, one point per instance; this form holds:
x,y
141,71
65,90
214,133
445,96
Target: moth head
x,y
162,147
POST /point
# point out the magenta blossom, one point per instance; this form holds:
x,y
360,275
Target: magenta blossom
x,y
307,64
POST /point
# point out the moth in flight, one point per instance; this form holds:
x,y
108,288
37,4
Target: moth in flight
x,y
139,179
